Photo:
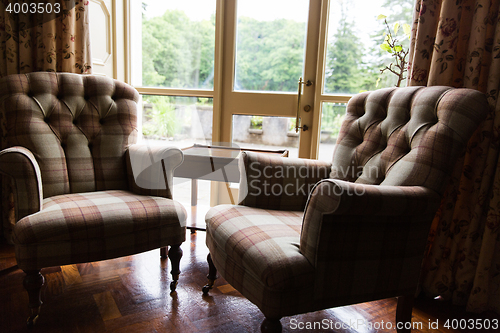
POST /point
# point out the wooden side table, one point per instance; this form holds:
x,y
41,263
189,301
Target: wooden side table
x,y
203,162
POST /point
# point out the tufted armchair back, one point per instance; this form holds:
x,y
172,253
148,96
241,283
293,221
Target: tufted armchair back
x,y
78,128
406,136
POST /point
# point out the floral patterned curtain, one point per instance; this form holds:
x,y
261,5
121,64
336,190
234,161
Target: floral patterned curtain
x,y
57,41
457,43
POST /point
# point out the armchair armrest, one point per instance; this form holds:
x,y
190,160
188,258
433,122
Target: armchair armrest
x,y
150,169
19,164
273,182
371,238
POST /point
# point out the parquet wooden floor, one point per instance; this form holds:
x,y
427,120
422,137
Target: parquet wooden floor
x,y
131,294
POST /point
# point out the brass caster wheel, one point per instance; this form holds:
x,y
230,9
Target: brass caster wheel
x,y
173,286
31,321
206,289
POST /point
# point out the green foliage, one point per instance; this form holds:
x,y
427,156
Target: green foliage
x,y
162,119
256,122
178,52
269,54
346,72
332,116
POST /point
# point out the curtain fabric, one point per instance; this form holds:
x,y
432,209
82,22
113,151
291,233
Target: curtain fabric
x,y
45,41
457,43
56,42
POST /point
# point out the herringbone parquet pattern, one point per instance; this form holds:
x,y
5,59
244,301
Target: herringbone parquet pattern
x,y
131,294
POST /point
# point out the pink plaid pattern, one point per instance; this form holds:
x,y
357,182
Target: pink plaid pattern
x,y
20,164
406,137
111,223
364,230
67,140
78,126
257,252
262,174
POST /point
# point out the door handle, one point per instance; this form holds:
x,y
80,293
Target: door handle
x,y
307,107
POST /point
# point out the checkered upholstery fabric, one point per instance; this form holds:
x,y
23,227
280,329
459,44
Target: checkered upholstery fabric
x,y
77,126
93,226
20,164
405,137
69,144
257,252
364,230
271,182
365,241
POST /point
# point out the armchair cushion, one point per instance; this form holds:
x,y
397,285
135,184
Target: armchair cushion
x,y
92,226
273,182
273,255
257,252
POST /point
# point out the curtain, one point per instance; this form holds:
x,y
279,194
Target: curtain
x,y
56,40
457,43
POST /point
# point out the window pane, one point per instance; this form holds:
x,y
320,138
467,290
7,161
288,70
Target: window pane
x,y
271,133
178,121
331,120
173,43
270,45
354,56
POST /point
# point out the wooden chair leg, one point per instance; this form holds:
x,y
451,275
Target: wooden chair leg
x,y
212,275
175,255
271,325
403,313
33,282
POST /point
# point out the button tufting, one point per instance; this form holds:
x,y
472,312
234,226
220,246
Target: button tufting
x,y
101,121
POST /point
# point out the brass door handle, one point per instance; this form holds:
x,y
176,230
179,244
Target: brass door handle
x,y
307,107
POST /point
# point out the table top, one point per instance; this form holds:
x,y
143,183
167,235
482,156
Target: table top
x,y
202,162
222,151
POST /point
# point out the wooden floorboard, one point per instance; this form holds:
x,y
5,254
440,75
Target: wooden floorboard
x,y
132,294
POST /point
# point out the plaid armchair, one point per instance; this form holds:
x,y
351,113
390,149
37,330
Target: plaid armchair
x,y
311,235
84,191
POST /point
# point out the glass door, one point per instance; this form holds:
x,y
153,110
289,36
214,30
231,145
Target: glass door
x,y
228,71
268,47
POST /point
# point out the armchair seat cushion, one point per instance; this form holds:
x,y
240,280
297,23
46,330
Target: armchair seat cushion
x,y
74,228
262,243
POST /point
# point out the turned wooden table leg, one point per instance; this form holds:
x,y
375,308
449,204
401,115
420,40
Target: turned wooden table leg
x,y
403,313
163,252
33,282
